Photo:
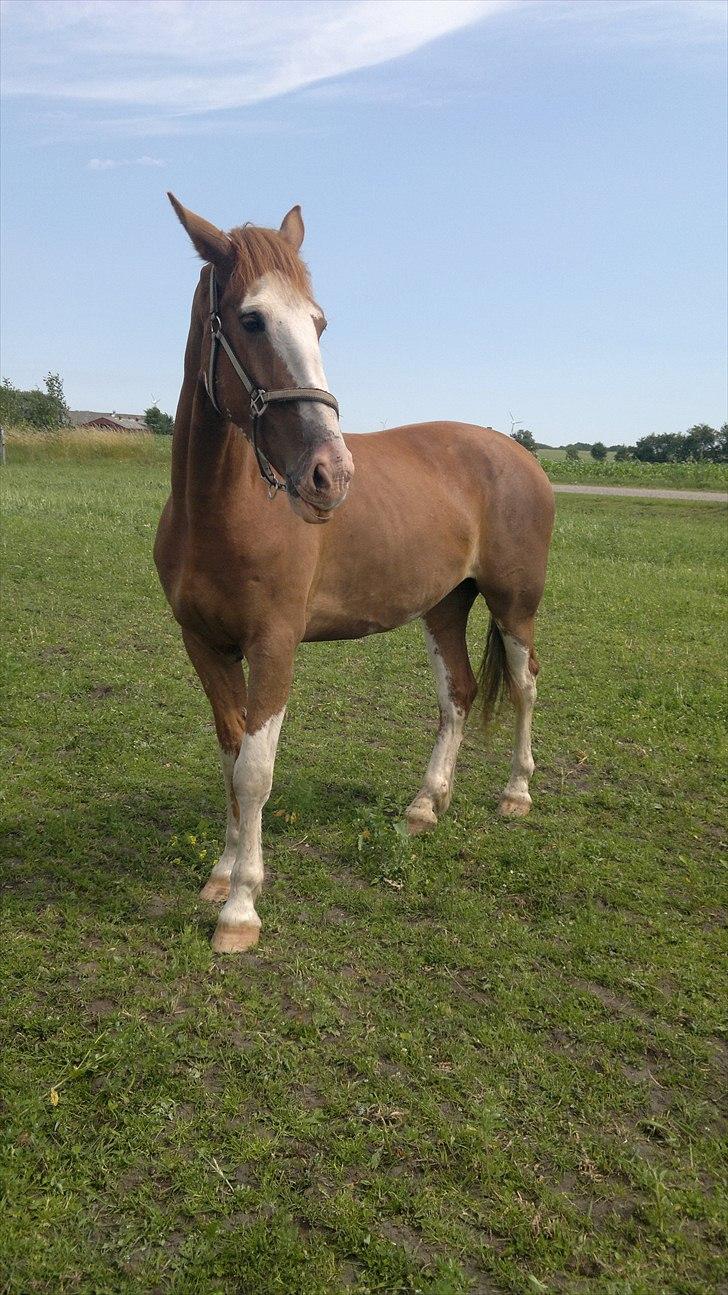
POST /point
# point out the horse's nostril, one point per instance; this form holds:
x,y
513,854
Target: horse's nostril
x,y
321,478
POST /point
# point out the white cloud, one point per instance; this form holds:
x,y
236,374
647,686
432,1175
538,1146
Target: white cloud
x,y
111,163
192,56
158,67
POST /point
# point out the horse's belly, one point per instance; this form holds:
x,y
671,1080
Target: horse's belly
x,y
357,598
326,624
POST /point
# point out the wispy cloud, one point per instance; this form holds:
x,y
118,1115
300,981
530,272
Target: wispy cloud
x,y
164,66
111,163
193,56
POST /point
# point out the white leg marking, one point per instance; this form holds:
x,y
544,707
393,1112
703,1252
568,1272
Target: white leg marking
x,y
252,782
516,798
436,791
218,885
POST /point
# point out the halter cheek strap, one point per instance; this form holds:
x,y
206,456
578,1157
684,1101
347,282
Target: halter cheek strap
x,y
260,399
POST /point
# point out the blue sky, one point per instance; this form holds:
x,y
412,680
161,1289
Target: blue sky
x,y
511,208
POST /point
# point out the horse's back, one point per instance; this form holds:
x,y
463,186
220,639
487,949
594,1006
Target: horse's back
x,y
476,472
453,452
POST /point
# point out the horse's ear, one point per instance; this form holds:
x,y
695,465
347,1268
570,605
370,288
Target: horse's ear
x,y
209,241
292,228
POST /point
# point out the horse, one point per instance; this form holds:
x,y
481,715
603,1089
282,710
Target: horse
x,y
377,530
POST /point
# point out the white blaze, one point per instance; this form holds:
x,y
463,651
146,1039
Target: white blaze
x,y
289,323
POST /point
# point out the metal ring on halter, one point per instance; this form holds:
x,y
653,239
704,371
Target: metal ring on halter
x,y
258,402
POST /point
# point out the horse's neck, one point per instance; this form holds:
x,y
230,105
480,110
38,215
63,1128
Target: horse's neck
x,y
211,459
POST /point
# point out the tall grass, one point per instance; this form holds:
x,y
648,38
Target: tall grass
x,y
84,445
93,445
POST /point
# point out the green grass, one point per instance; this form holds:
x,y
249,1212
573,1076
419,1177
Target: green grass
x,y
487,1060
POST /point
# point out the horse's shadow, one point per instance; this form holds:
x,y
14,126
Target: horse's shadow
x,y
104,856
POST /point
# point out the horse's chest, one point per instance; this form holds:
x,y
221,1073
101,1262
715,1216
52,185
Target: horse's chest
x,y
216,605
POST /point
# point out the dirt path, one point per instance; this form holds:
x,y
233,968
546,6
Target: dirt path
x,y
646,492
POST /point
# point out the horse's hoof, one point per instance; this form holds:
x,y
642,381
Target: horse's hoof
x,y
235,937
514,806
420,818
216,890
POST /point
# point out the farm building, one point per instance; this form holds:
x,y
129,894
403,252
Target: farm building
x,y
112,422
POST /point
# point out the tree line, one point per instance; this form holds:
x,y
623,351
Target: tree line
x,y
47,410
699,444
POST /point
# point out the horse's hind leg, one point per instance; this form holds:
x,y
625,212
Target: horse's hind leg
x,y
522,668
511,663
224,683
456,688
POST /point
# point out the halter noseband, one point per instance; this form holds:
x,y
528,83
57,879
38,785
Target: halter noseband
x,y
259,397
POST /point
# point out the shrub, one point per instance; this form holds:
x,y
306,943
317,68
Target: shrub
x,y
43,410
157,422
526,439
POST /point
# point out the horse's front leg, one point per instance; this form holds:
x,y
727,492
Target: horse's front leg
x,y
271,669
223,680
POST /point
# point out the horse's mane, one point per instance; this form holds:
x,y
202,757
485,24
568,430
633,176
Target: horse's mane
x,y
264,251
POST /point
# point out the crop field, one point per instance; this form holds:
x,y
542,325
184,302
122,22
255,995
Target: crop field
x,y
672,476
488,1060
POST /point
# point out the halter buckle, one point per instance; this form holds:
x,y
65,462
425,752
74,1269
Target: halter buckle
x,y
258,402
215,324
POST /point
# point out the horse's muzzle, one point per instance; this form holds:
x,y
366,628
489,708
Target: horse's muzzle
x,y
324,482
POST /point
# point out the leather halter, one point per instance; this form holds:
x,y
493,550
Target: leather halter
x,y
259,397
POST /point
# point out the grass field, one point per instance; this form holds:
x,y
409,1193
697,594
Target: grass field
x,y
488,1060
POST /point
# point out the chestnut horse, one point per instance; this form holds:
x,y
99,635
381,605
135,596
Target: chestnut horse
x,y
377,530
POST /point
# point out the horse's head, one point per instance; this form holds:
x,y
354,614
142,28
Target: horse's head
x,y
262,310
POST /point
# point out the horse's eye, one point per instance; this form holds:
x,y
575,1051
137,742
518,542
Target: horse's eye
x,y
253,322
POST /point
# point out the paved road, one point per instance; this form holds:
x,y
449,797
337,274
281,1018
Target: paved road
x,y
646,492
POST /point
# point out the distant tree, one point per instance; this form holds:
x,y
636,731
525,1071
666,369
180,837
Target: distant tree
x,y
526,439
700,442
622,453
572,453
54,389
598,451
157,422
41,409
656,448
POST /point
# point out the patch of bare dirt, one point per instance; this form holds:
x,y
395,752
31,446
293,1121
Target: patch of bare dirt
x,y
52,651
294,1011
98,1008
623,1007
400,1234
660,1097
157,906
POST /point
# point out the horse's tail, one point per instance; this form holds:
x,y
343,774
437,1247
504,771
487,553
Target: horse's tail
x,y
495,681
